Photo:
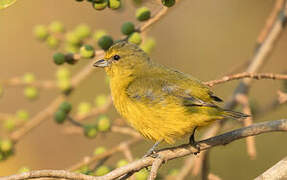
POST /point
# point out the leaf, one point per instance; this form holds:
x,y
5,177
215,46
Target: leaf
x,y
6,3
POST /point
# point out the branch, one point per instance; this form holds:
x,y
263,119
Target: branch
x,y
257,76
186,149
49,174
278,171
165,154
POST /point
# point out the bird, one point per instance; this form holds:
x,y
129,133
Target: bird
x,y
161,103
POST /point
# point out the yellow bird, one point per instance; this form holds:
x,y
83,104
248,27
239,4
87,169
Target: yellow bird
x,y
159,102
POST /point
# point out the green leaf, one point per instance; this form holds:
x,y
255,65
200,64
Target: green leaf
x,y
6,3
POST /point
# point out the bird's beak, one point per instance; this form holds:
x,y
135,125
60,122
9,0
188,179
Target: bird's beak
x,y
101,63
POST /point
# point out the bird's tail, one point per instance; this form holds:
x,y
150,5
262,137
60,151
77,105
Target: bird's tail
x,y
234,115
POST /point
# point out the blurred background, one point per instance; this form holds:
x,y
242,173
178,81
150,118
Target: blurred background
x,y
204,38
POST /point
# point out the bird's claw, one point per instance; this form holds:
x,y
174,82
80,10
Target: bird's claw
x,y
152,154
196,146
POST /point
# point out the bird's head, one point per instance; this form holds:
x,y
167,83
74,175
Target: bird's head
x,y
123,59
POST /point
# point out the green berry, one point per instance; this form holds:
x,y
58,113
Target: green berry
x,y
143,14
28,78
122,163
84,108
53,42
9,124
101,5
59,58
128,28
64,84
98,34
63,73
90,131
31,92
71,48
105,42
104,123
114,4
72,38
6,145
135,38
101,100
41,32
168,3
99,150
82,31
87,51
66,107
60,116
148,45
102,170
22,115
56,27
141,175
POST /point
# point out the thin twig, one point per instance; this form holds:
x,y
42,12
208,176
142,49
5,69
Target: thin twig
x,y
155,167
247,75
250,141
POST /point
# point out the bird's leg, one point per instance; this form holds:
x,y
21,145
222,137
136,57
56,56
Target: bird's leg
x,y
151,151
193,142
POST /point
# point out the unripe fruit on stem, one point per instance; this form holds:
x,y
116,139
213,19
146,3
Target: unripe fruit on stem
x,y
66,107
135,38
168,3
6,145
41,32
90,131
114,4
82,31
59,58
84,108
60,116
52,42
28,78
99,150
100,5
22,114
31,92
143,14
105,42
87,51
104,123
128,28
56,27
101,100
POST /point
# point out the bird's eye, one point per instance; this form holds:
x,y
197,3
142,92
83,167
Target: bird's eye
x,y
116,57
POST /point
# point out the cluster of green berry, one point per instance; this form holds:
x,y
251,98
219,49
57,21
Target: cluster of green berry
x,y
20,117
102,4
50,34
102,124
6,148
104,169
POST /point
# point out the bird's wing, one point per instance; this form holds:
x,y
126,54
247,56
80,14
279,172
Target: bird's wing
x,y
156,89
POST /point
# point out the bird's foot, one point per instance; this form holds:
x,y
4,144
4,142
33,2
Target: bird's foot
x,y
151,153
194,143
